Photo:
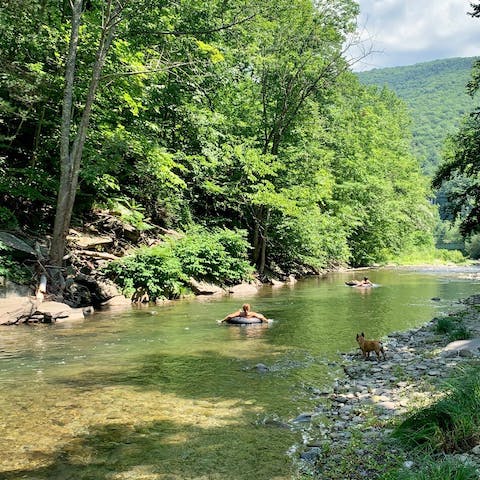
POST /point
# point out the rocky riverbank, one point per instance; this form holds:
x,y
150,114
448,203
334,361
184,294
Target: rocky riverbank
x,y
349,435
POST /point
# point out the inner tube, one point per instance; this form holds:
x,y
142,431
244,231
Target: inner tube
x,y
352,283
243,320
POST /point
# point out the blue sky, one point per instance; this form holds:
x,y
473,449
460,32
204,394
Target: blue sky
x,y
413,31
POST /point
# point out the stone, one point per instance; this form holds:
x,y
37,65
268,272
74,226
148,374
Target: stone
x,y
303,418
472,345
204,288
262,368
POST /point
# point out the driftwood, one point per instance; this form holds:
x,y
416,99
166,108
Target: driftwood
x,y
33,315
28,311
36,317
94,254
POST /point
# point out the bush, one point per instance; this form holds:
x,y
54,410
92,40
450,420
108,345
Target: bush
x,y
460,333
218,256
454,327
473,247
163,271
154,271
8,221
444,325
452,424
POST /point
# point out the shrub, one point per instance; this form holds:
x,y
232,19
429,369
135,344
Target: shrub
x,y
163,271
473,247
218,256
8,221
454,327
11,269
444,325
154,271
460,333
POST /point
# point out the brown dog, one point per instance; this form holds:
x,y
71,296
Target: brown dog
x,y
368,346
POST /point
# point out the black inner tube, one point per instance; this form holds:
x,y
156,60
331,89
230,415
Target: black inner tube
x,y
243,320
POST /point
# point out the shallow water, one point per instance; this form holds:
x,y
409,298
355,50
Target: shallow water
x,y
165,393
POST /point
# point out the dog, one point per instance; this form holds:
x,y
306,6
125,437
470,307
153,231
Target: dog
x,y
367,346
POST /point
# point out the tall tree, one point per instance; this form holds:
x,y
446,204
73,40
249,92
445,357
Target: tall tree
x,y
71,151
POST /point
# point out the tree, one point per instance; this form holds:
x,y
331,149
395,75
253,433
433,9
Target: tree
x,y
71,151
293,56
459,174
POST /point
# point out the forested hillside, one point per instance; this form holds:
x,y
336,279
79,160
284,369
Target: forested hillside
x,y
437,98
236,123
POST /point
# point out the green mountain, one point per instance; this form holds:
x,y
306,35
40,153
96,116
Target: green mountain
x,y
436,95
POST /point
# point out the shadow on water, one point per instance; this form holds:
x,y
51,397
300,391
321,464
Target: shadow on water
x,y
157,450
183,422
201,376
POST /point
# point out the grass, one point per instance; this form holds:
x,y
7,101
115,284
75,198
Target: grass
x,y
450,425
430,256
434,469
453,327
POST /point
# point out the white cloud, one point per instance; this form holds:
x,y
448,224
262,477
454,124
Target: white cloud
x,y
404,32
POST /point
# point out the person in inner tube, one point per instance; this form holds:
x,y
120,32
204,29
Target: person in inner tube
x,y
365,283
247,313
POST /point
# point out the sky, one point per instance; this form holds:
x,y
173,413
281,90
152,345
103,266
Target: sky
x,y
405,32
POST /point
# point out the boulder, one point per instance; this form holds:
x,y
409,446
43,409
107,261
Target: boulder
x,y
454,348
204,288
243,289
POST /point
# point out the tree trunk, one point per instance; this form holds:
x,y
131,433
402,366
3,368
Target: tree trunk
x,y
62,218
71,159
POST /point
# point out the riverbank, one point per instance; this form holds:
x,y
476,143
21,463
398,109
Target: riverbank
x,y
350,433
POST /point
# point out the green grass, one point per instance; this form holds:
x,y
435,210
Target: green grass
x,y
452,424
433,469
430,256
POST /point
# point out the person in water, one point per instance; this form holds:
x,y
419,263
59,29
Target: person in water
x,y
247,313
365,282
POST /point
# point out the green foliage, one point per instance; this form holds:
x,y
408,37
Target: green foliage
x,y
453,327
451,424
155,271
438,469
8,221
473,247
255,127
379,189
431,255
460,333
163,271
218,256
130,212
11,269
444,325
459,174
436,96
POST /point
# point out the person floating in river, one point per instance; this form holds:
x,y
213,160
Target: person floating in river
x,y
360,283
246,313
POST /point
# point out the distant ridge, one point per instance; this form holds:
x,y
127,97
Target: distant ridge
x,y
436,95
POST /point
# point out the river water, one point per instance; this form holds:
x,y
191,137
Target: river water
x,y
164,392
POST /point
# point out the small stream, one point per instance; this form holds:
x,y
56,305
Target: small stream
x,y
164,392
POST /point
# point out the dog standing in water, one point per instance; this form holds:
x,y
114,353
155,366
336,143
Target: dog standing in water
x,y
367,346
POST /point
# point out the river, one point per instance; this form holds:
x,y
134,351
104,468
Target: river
x,y
164,392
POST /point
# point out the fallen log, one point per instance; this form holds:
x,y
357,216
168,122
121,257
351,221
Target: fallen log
x,y
94,254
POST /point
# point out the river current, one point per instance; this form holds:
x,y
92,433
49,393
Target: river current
x,y
164,392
